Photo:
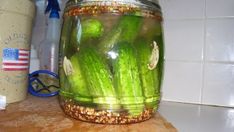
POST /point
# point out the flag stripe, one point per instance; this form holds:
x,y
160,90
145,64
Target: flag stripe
x,y
15,64
23,57
23,54
23,50
15,69
10,61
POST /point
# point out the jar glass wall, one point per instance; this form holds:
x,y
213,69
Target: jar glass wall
x,y
111,60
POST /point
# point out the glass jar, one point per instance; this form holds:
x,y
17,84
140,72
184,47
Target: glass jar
x,y
111,55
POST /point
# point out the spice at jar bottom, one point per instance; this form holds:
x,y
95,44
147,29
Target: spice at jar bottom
x,y
89,114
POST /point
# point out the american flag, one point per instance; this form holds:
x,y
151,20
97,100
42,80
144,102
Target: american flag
x,y
15,59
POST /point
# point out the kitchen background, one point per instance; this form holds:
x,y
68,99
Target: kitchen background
x,y
199,41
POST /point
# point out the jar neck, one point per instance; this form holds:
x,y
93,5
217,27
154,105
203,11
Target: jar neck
x,y
154,1
142,8
141,3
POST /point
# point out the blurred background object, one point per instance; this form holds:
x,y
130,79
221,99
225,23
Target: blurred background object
x,y
16,19
44,64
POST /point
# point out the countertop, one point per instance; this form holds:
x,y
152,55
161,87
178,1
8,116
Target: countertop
x,y
198,118
45,114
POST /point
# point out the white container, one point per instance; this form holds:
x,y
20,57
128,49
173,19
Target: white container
x,y
16,18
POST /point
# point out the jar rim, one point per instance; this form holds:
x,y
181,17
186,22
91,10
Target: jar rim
x,y
97,7
149,3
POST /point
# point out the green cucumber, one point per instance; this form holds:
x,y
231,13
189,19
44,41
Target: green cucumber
x,y
108,41
71,47
65,36
78,83
64,85
91,28
160,42
64,41
63,81
130,27
125,30
126,78
98,77
150,78
83,32
76,32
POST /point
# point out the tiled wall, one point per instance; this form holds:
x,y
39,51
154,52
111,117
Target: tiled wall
x,y
199,39
199,60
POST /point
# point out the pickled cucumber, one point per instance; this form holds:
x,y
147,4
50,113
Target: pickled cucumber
x,y
83,32
91,28
64,42
71,47
150,77
98,77
130,27
127,80
78,83
126,30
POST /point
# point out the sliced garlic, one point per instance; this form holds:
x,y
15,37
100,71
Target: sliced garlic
x,y
153,61
67,66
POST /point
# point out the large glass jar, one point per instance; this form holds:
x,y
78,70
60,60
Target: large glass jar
x,y
111,55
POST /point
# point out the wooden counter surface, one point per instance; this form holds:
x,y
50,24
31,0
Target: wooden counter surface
x,y
44,114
